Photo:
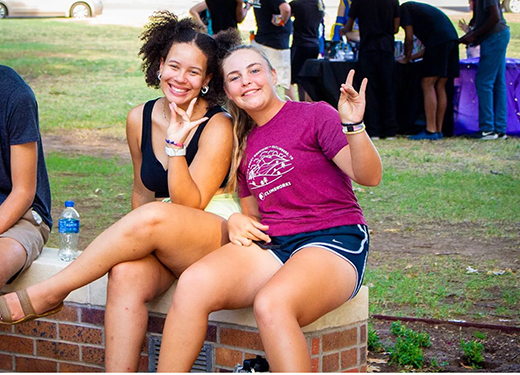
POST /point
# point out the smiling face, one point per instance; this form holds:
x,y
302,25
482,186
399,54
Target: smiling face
x,y
183,73
249,81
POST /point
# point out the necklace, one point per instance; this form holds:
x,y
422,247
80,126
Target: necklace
x,y
163,111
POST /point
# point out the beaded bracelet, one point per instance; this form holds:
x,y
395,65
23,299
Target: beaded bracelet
x,y
173,143
355,128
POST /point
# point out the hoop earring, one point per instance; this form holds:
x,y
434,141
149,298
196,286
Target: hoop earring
x,y
159,75
204,90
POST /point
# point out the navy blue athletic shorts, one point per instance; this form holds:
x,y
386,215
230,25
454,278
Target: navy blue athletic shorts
x,y
349,242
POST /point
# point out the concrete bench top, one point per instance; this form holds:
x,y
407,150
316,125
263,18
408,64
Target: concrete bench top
x,y
94,294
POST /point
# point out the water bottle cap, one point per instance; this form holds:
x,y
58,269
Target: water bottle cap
x,y
69,203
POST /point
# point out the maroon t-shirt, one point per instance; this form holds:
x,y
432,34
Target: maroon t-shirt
x,y
288,168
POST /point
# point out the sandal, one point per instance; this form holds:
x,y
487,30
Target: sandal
x,y
27,307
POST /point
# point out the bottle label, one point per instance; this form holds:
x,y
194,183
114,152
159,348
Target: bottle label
x,y
69,226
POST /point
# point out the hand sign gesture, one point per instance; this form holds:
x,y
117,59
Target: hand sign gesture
x,y
351,104
178,130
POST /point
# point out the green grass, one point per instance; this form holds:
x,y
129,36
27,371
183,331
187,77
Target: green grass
x,y
456,180
83,76
100,188
440,288
88,77
513,49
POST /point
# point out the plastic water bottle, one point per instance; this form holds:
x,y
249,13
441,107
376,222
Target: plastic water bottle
x,y
69,233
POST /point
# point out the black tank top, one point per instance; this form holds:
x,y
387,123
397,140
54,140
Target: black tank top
x,y
153,175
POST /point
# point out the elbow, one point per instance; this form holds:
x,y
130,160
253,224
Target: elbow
x,y
374,181
371,181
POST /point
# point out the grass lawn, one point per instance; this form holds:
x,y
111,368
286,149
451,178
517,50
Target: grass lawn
x,y
86,78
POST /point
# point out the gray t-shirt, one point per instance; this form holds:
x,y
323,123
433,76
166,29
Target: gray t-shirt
x,y
481,16
19,125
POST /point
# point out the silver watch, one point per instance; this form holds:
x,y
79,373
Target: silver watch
x,y
174,151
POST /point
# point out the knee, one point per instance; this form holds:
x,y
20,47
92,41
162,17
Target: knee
x,y
122,279
441,83
428,83
268,309
122,274
148,217
197,286
12,254
144,220
483,82
11,246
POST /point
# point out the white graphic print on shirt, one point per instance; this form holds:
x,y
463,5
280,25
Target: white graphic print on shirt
x,y
266,166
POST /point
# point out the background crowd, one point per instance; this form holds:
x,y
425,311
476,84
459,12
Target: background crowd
x,y
371,26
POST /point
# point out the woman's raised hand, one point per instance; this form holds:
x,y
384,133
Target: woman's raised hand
x,y
243,230
178,130
351,104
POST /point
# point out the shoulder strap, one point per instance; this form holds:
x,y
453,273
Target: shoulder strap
x,y
146,131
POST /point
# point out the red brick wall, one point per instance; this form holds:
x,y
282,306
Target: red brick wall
x,y
73,341
332,350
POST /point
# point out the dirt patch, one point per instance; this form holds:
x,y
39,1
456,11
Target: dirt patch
x,y
502,350
87,142
437,239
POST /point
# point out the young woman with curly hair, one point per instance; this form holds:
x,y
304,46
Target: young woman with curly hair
x,y
181,146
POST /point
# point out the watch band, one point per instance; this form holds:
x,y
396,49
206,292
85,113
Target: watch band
x,y
174,151
353,128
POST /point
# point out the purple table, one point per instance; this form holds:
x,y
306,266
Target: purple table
x,y
465,101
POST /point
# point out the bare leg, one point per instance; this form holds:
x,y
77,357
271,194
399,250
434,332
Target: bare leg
x,y
228,278
312,283
126,315
430,102
12,259
442,102
164,228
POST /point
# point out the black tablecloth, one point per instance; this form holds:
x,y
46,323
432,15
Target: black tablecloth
x,y
322,78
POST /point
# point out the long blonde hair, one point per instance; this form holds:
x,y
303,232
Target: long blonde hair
x,y
242,123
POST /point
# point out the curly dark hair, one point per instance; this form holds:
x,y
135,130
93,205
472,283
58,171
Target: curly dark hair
x,y
165,29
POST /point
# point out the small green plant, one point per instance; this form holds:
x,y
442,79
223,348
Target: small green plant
x,y
406,353
479,335
473,353
422,339
397,329
407,350
373,341
435,366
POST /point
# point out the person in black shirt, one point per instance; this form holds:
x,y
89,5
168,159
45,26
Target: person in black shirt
x,y
308,16
378,22
225,14
440,60
274,28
